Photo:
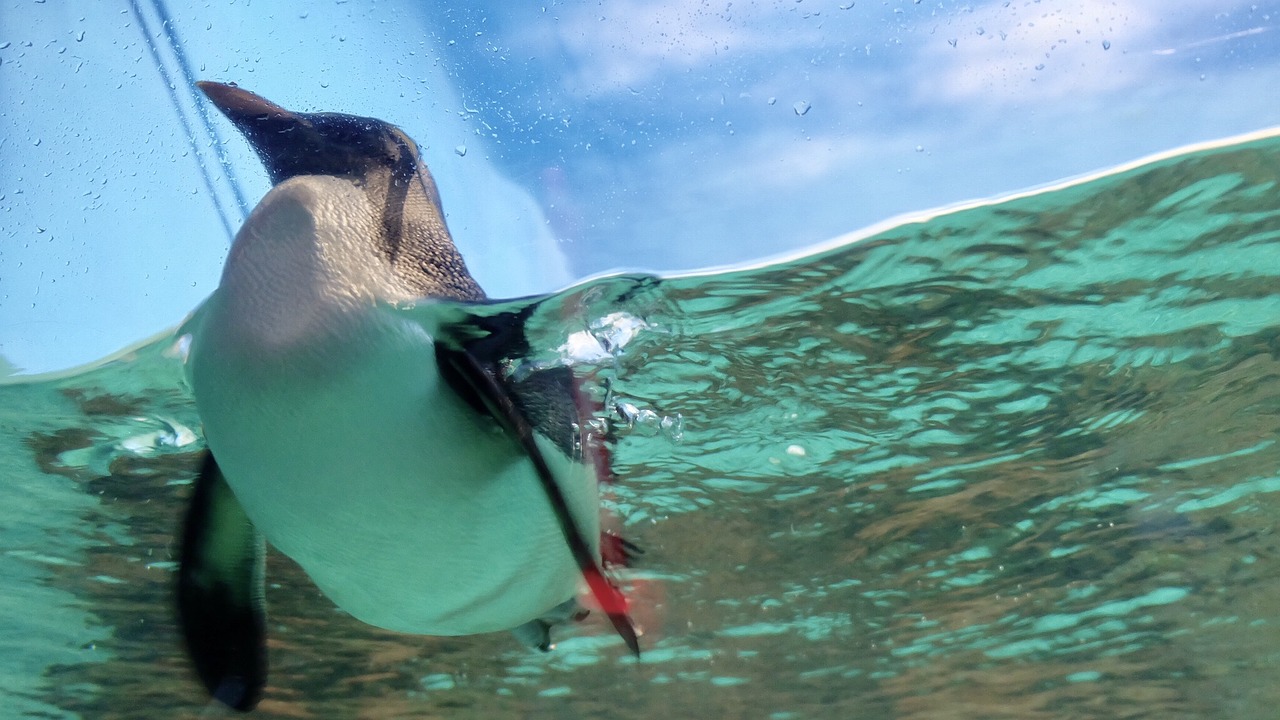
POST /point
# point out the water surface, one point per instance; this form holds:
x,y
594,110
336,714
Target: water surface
x,y
1017,460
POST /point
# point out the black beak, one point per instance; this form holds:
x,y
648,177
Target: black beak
x,y
285,141
244,108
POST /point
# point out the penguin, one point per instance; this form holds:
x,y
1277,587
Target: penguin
x,y
349,375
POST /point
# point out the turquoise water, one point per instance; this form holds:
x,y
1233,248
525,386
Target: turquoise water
x,y
1017,460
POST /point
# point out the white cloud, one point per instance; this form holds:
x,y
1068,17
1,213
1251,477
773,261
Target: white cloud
x,y
1035,52
777,161
1001,50
621,44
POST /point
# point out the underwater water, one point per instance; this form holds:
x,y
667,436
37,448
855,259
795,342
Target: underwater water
x,y
1018,460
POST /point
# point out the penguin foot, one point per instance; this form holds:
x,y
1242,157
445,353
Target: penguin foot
x,y
617,551
537,632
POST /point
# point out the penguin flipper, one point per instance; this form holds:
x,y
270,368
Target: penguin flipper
x,y
220,592
481,384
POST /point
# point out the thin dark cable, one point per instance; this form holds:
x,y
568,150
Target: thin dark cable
x,y
182,118
202,109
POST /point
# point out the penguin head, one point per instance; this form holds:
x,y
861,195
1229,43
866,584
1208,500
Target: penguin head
x,y
373,156
292,143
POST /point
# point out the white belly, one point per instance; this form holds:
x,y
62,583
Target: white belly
x,y
409,510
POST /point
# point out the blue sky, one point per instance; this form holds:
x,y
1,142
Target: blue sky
x,y
684,111
570,138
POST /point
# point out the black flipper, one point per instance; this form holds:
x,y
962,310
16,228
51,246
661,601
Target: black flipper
x,y
220,593
481,384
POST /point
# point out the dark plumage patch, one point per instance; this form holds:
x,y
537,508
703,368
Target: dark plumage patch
x,y
475,375
220,596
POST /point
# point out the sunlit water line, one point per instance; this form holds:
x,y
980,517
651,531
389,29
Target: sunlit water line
x,y
1014,462
921,217
788,257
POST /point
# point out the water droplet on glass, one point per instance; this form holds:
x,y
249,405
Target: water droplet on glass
x,y
773,101
1106,44
4,45
80,36
846,6
920,148
461,150
1040,66
801,107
